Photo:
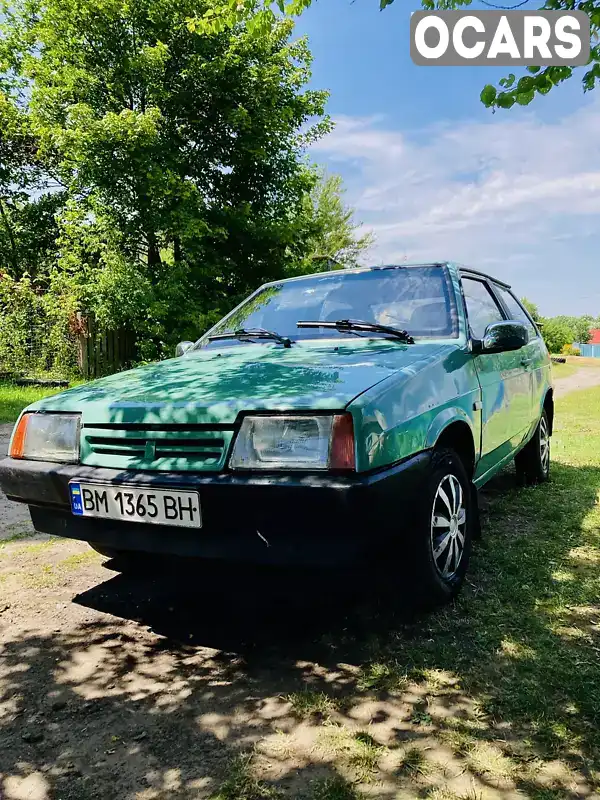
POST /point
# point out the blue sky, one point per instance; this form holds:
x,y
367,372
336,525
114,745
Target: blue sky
x,y
435,175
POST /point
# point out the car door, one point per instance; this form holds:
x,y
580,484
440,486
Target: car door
x,y
533,357
505,386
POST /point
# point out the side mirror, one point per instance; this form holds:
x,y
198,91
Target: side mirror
x,y
182,348
502,337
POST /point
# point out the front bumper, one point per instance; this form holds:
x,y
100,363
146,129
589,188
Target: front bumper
x,y
266,519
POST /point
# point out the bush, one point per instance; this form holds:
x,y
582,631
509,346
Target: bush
x,y
569,350
36,330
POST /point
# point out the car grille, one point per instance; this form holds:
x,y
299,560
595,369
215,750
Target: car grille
x,y
162,448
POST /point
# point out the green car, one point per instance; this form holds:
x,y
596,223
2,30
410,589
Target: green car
x,y
341,418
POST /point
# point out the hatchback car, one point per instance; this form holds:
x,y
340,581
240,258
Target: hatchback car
x,y
340,418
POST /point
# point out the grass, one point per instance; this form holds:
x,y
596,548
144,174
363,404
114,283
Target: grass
x,y
242,784
414,764
563,370
523,640
16,532
357,751
13,398
309,703
334,788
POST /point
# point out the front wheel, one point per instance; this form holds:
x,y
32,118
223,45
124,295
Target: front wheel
x,y
533,462
442,536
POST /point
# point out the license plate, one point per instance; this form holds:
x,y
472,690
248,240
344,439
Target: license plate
x,y
128,503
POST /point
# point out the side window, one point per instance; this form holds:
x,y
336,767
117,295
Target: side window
x,y
516,311
482,308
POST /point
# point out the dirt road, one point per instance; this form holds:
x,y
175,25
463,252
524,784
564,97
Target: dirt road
x,y
583,379
14,517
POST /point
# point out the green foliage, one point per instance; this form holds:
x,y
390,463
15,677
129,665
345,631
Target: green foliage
x,y
560,332
556,334
177,143
538,81
13,399
579,326
28,234
569,350
329,239
35,330
532,309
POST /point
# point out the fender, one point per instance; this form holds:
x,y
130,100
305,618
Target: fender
x,y
445,418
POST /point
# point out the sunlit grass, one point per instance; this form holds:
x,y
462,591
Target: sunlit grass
x,y
13,398
308,703
241,782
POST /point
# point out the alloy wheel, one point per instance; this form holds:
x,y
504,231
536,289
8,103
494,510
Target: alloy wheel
x,y
448,526
544,445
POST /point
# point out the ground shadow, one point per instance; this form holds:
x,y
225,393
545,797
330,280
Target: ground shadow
x,y
164,714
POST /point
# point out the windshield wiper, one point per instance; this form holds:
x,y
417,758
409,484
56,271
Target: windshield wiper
x,y
352,325
252,333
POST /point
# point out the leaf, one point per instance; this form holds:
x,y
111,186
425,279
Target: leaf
x,y
508,81
384,3
533,70
525,84
505,100
488,95
543,84
524,98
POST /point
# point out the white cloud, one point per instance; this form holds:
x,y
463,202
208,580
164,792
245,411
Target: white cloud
x,y
512,194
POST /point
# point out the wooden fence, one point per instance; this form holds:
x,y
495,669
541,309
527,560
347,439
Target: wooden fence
x,y
103,352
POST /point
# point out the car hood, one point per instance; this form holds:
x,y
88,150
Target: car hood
x,y
214,385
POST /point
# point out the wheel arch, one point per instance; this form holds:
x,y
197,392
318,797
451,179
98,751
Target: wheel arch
x,y
454,430
548,407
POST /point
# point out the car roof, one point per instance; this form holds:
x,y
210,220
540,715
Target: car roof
x,y
372,268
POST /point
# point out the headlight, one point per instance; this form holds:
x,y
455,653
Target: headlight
x,y
324,441
47,437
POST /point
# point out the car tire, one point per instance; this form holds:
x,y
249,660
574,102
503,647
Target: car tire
x,y
533,462
443,530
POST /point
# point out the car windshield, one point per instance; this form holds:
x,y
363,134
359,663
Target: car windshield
x,y
417,299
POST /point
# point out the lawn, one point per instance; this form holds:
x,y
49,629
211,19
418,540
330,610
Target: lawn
x,y
520,650
13,398
563,370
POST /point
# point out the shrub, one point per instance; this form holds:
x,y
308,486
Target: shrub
x,y
570,350
36,330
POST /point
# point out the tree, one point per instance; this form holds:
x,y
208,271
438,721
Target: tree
x,y
561,330
522,91
28,235
579,326
330,238
556,335
181,153
532,309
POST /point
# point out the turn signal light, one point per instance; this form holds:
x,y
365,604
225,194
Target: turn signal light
x,y
17,445
341,455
